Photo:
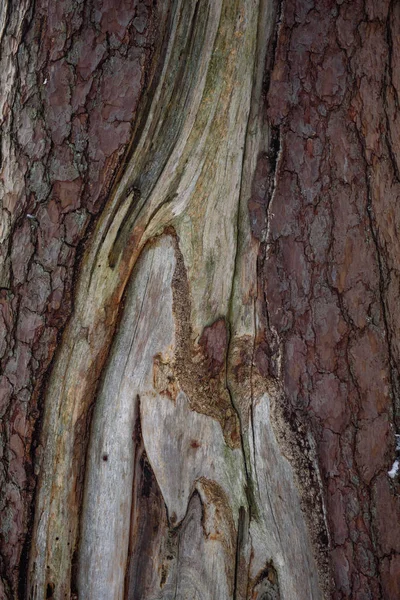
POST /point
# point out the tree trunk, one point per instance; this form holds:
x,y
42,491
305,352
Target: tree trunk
x,y
200,243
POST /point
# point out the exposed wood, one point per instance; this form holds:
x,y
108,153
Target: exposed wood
x,y
189,320
220,419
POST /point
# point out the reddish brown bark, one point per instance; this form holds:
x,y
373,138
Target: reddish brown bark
x,y
81,67
331,277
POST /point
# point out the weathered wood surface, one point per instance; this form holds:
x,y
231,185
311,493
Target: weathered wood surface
x,y
234,436
181,364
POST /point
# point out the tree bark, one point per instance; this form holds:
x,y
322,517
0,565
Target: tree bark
x,y
200,389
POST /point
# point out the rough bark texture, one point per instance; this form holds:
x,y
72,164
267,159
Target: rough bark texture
x,y
71,75
219,420
331,275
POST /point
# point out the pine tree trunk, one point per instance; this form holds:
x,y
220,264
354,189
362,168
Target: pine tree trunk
x,y
199,276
